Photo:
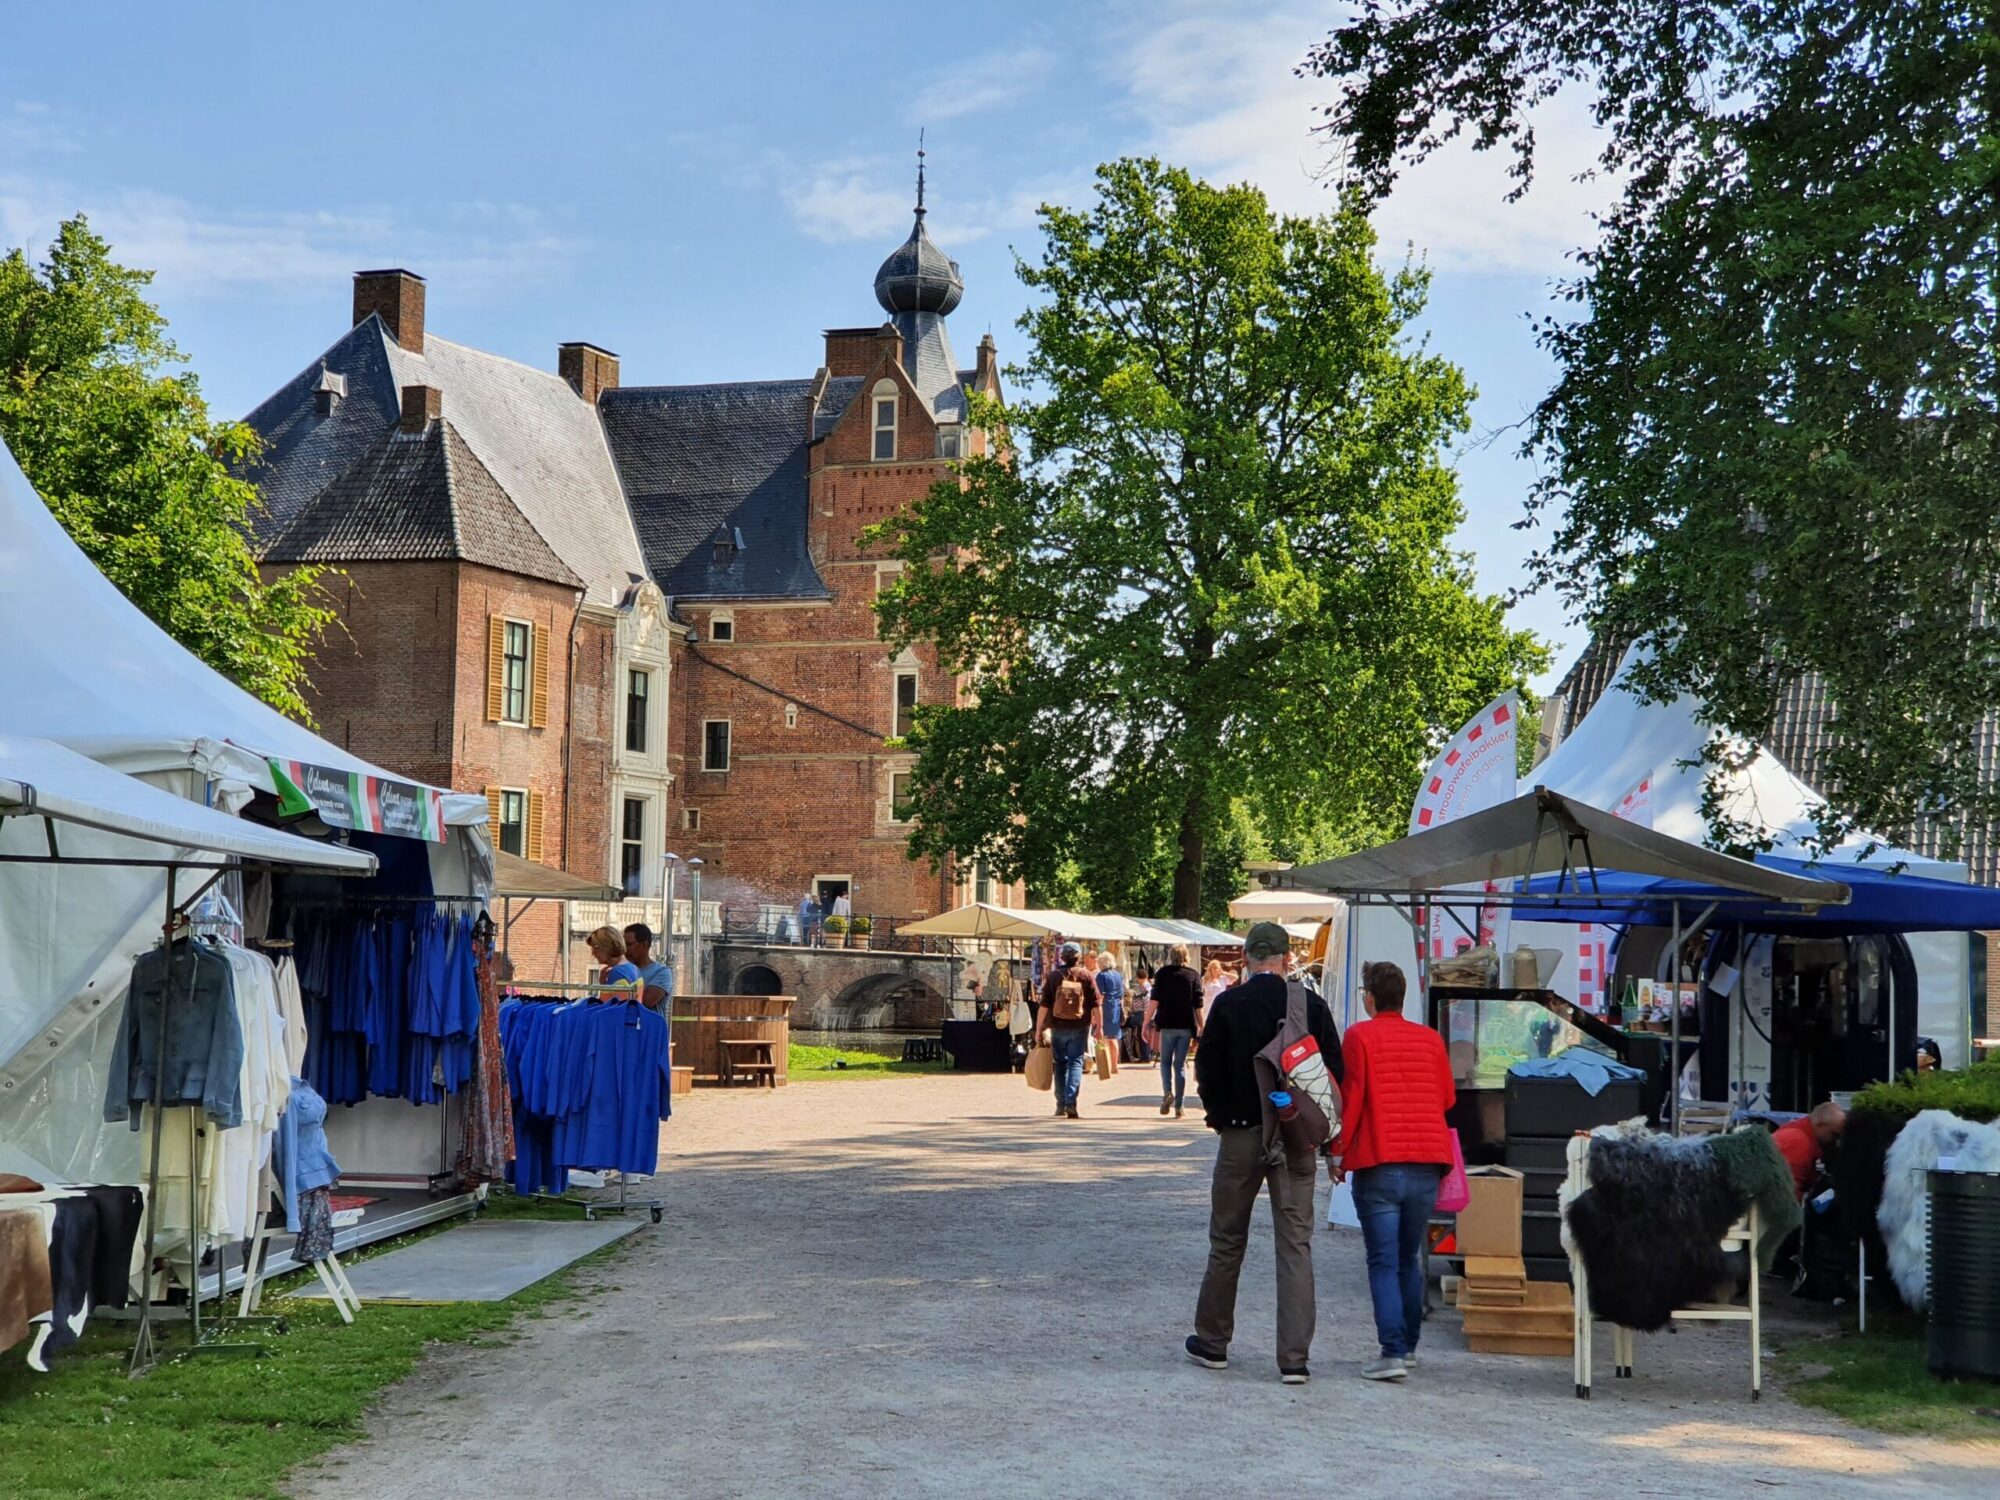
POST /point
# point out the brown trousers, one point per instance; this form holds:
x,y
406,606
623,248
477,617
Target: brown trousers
x,y
1242,1170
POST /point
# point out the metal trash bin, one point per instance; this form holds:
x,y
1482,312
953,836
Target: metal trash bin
x,y
1964,1274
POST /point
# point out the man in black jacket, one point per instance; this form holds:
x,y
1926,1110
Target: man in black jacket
x,y
1174,1011
1241,1024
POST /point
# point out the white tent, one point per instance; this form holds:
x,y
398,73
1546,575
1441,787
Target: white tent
x,y
1623,741
1284,907
82,667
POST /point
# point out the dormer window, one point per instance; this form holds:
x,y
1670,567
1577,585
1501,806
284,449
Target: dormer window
x,y
727,544
327,393
885,420
951,441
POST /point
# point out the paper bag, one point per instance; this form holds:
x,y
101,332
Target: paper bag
x,y
1040,1070
1105,1066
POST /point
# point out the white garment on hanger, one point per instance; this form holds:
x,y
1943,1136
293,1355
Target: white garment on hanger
x,y
292,1007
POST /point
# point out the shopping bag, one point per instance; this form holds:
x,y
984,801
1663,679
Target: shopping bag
x,y
1040,1070
1105,1066
1454,1193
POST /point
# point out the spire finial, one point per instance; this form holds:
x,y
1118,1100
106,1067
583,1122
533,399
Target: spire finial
x,y
920,172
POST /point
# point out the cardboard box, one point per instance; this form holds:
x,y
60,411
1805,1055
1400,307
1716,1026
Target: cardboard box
x,y
1490,1224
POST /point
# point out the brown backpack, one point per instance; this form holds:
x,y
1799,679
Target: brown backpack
x,y
1071,1005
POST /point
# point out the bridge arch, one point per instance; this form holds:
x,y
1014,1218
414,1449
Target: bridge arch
x,y
759,979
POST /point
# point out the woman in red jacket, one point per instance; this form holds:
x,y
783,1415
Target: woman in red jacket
x,y
1394,1140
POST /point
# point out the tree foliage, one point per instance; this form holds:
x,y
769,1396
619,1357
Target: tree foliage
x,y
1211,594
128,460
1770,449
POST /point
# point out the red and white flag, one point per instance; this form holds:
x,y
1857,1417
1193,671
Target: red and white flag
x,y
1475,771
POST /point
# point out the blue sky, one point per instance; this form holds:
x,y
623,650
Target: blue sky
x,y
704,188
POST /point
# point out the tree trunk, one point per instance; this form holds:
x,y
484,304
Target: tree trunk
x,y
1187,874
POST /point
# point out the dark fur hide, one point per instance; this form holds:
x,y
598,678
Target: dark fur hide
x,y
1648,1228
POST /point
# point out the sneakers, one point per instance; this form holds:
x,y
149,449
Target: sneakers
x,y
1202,1357
1166,1103
1388,1367
1410,1360
1296,1376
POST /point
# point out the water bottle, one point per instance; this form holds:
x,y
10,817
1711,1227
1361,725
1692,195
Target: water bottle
x,y
1287,1108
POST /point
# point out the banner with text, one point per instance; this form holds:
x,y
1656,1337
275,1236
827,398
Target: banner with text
x,y
352,799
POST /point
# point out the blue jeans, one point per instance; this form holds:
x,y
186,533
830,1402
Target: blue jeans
x,y
1394,1202
1070,1048
1173,1061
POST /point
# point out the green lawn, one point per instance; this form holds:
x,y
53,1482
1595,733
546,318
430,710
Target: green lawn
x,y
1877,1379
222,1426
810,1063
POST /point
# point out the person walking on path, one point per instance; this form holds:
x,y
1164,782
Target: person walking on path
x,y
1174,1012
1248,1161
1069,1019
1213,983
1111,998
1394,1140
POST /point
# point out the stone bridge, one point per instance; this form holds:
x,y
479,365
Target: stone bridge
x,y
841,989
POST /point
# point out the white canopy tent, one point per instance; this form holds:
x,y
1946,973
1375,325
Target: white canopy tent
x,y
981,920
1623,742
1284,907
85,669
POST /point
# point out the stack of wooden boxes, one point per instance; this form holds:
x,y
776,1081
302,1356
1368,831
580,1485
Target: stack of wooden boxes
x,y
1504,1312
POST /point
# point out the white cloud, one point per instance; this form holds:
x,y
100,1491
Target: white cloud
x,y
851,200
1215,86
197,253
981,83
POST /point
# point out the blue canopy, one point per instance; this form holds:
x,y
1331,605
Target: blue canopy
x,y
1881,902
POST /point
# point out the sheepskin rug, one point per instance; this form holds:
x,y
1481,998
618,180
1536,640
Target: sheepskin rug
x,y
1904,1216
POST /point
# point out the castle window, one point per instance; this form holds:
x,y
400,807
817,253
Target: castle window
x,y
715,745
885,420
722,627
951,443
906,704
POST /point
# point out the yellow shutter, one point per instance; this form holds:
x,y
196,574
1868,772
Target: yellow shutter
x,y
496,675
538,711
535,826
493,815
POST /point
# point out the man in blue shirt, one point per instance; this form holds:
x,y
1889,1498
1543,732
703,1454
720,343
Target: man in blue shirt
x,y
655,977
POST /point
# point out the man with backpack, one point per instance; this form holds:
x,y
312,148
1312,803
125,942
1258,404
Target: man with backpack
x,y
1068,1020
1236,1071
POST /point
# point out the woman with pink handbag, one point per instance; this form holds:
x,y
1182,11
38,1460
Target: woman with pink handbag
x,y
1394,1140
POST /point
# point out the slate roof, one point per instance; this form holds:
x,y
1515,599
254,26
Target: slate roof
x,y
707,462
1800,738
543,447
418,496
928,358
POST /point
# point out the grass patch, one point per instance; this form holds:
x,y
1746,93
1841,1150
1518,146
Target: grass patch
x,y
1877,1379
226,1426
809,1062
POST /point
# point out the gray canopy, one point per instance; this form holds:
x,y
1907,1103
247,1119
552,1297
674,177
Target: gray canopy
x,y
1543,833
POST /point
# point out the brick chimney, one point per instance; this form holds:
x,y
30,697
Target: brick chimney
x,y
589,370
422,405
986,367
855,351
397,297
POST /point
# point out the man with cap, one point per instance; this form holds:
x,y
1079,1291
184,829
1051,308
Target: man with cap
x,y
1068,1019
1242,1022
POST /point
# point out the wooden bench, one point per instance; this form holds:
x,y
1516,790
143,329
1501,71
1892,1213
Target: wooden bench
x,y
750,1059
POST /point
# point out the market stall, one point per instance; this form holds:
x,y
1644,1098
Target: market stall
x,y
83,669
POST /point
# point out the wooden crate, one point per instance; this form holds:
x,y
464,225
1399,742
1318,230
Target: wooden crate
x,y
1480,1294
700,1022
1496,1270
1553,1346
1546,1311
683,1080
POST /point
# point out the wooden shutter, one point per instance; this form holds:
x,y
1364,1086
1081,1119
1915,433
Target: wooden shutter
x,y
493,815
496,678
534,841
538,709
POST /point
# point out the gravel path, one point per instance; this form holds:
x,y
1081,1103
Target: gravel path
x,y
924,1286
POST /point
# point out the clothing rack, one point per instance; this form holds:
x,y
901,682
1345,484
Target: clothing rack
x,y
315,903
143,1351
552,994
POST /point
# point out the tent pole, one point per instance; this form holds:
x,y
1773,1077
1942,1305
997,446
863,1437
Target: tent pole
x,y
1674,1045
1741,1069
